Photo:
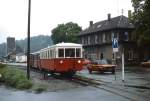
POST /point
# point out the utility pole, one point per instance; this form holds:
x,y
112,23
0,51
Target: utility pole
x,y
122,64
28,42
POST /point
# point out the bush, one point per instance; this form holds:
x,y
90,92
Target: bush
x,y
15,78
23,84
2,65
40,88
1,70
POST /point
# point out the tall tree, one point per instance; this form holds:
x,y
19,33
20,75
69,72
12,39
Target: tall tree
x,y
66,33
141,19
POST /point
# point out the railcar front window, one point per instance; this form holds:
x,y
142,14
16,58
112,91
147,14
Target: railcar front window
x,y
69,52
61,53
78,52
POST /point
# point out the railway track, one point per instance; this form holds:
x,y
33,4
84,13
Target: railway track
x,y
117,90
103,86
121,90
129,95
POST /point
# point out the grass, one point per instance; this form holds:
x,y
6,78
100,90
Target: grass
x,y
38,88
14,77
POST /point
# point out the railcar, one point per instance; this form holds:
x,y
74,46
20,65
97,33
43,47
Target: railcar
x,y
64,58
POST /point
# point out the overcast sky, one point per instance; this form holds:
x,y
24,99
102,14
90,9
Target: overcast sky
x,y
47,14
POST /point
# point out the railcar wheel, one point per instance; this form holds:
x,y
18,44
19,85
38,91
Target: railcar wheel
x,y
51,72
101,72
68,74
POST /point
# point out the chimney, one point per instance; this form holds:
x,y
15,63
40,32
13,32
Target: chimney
x,y
91,23
109,17
129,14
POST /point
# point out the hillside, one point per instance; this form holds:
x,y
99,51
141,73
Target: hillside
x,y
37,43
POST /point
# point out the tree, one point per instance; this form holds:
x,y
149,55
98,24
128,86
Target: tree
x,y
65,32
141,19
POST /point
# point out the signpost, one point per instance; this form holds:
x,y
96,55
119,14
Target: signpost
x,y
122,65
115,49
115,45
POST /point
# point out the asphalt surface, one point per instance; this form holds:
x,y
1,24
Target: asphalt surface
x,y
136,87
79,94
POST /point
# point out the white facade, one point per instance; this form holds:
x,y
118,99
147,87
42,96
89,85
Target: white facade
x,y
21,58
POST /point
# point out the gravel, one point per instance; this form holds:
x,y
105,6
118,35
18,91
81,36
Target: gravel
x,y
51,83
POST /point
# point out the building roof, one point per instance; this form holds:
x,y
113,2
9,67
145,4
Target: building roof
x,y
113,23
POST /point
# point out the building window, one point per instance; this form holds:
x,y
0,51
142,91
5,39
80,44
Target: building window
x,y
92,40
104,38
114,35
88,40
82,40
108,37
130,54
96,39
100,38
126,36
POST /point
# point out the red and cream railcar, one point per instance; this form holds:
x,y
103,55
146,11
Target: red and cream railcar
x,y
60,58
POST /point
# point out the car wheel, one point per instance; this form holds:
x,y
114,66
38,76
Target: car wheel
x,y
90,71
101,72
113,71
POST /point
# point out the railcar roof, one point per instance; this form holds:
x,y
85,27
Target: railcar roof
x,y
62,45
68,44
37,52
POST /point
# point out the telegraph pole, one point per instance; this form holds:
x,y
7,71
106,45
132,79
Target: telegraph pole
x,y
28,42
122,64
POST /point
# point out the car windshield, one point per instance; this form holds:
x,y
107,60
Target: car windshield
x,y
101,62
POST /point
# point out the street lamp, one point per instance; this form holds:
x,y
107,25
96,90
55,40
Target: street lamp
x,y
28,42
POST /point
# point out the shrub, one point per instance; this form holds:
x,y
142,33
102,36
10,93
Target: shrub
x,y
15,78
1,70
23,84
40,88
2,65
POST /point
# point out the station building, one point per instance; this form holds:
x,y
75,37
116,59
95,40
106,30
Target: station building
x,y
97,39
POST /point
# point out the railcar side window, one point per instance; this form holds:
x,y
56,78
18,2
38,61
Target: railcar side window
x,y
60,52
78,52
45,55
70,52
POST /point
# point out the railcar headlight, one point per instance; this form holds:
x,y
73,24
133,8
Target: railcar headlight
x,y
61,61
79,61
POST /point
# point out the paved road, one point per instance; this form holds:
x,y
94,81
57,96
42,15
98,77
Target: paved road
x,y
136,87
82,94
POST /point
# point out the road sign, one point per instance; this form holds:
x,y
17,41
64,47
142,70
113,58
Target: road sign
x,y
115,45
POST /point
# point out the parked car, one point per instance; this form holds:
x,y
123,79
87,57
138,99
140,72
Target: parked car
x,y
145,64
86,61
101,66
